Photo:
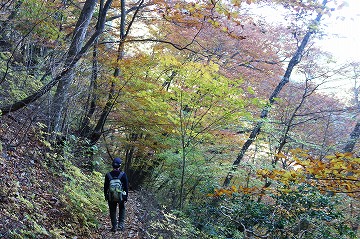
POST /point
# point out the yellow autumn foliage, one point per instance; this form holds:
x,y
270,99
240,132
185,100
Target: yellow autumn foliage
x,y
338,173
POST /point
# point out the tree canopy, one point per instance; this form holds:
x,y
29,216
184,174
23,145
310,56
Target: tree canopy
x,y
213,108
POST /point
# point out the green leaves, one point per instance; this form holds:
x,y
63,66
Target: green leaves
x,y
208,94
282,214
41,18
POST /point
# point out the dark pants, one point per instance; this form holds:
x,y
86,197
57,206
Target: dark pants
x,y
112,208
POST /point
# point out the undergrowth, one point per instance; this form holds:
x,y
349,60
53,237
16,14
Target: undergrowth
x,y
47,196
83,195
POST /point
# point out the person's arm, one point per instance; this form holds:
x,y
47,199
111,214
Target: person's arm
x,y
125,183
106,187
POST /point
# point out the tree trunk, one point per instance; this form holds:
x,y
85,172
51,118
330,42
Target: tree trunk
x,y
355,134
285,79
61,94
183,153
289,124
92,96
32,98
97,132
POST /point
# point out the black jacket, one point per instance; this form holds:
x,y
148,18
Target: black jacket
x,y
123,179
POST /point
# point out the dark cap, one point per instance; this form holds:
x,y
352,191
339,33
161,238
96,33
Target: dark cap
x,y
116,163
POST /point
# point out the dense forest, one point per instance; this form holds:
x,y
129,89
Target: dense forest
x,y
230,124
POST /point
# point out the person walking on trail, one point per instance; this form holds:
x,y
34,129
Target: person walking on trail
x,y
116,193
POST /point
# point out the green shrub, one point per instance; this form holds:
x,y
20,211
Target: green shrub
x,y
304,211
84,195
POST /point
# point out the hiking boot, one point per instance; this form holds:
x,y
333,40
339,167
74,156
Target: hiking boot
x,y
113,229
121,227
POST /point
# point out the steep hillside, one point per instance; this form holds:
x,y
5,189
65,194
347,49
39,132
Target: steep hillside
x,y
33,203
43,195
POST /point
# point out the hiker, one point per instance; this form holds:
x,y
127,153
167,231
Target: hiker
x,y
113,179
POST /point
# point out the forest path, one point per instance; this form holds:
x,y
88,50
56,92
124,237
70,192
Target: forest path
x,y
134,220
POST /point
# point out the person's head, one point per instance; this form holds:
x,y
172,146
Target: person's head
x,y
116,163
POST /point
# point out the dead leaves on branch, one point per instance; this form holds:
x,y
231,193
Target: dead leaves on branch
x,y
338,173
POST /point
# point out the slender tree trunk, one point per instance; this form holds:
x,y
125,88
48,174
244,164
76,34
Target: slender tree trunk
x,y
289,124
323,151
183,166
285,79
130,149
92,96
355,134
62,90
97,132
183,153
32,98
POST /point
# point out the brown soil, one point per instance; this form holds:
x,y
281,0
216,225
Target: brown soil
x,y
134,221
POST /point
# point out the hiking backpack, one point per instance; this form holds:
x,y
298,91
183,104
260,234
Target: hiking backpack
x,y
115,191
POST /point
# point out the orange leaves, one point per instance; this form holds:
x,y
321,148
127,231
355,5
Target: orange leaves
x,y
338,173
233,191
227,192
283,176
280,155
335,166
186,13
340,155
264,173
220,192
236,3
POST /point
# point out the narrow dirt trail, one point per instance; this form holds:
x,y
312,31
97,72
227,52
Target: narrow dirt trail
x,y
134,221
